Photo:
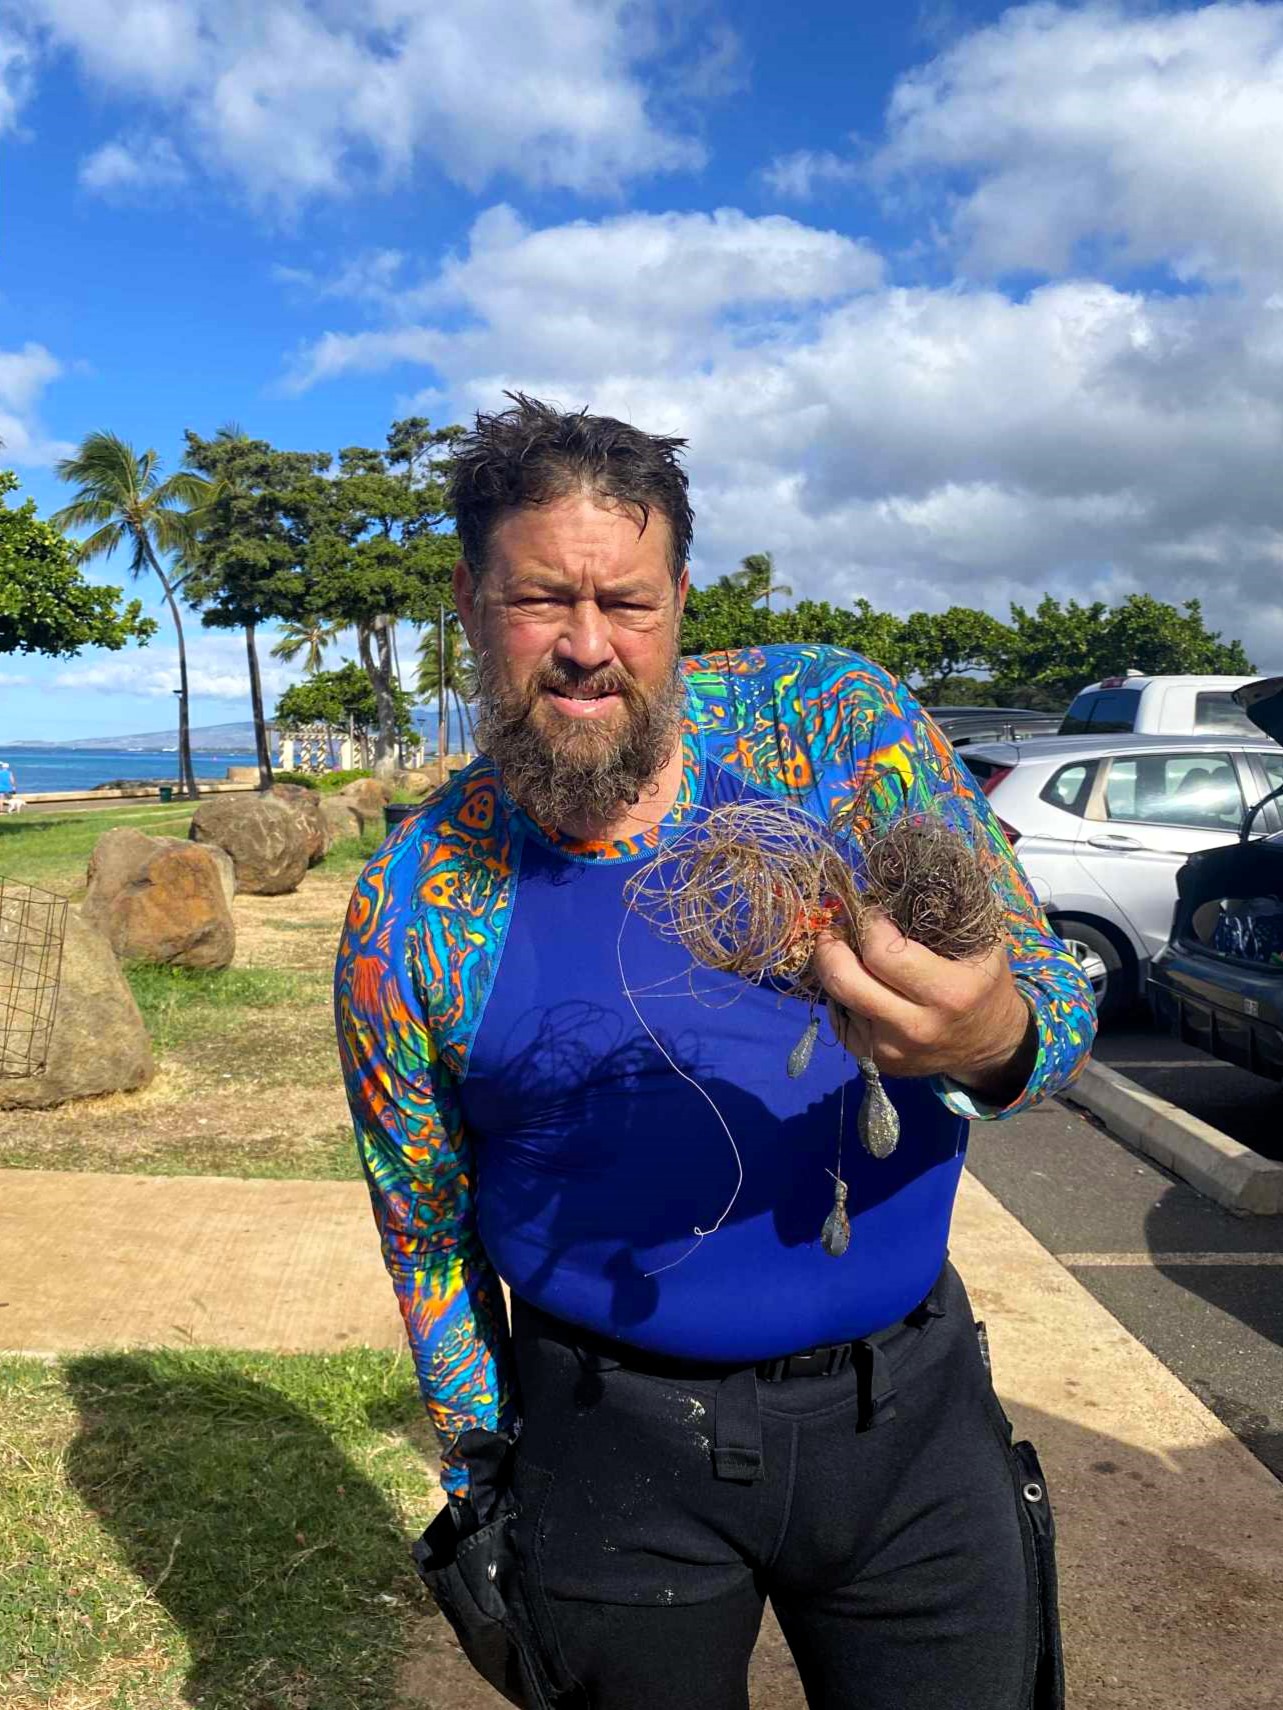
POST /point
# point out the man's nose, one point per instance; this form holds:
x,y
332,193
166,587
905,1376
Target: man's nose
x,y
585,638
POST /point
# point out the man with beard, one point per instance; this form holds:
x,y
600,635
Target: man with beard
x,y
700,1406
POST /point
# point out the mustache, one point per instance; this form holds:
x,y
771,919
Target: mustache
x,y
562,678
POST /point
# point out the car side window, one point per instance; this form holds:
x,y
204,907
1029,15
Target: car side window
x,y
1069,787
1216,709
1175,789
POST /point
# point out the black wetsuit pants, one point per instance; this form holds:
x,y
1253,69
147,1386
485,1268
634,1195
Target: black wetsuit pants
x,y
879,1508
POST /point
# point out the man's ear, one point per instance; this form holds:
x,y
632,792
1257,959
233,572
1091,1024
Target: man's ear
x,y
683,588
465,598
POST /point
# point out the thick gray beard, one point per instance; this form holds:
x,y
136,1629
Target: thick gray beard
x,y
560,789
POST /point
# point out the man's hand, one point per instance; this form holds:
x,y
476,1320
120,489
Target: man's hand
x,y
916,1013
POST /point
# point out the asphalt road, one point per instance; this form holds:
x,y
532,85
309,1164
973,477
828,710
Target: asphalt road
x,y
1242,1105
1201,1288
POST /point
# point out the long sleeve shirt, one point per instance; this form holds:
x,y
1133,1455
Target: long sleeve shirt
x,y
544,1089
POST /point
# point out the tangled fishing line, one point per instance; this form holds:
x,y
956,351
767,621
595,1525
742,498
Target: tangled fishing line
x,y
750,888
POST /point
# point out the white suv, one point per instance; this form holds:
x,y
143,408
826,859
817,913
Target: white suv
x,y
1102,824
1170,706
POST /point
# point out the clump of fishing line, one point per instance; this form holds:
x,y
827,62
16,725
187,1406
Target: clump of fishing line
x,y
751,887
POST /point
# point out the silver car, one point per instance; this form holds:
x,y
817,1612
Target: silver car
x,y
1101,825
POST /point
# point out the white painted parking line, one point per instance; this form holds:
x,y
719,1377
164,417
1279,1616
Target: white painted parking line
x,y
1073,1260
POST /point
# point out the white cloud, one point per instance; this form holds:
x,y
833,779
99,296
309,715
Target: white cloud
x,y
24,374
918,446
216,670
15,78
132,164
651,290
293,99
1157,134
12,680
800,175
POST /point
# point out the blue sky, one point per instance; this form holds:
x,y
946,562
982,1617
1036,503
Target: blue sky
x,y
954,303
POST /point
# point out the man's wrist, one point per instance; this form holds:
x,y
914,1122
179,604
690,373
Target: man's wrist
x,y
1001,1081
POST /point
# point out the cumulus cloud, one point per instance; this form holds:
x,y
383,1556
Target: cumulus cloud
x,y
132,164
216,670
915,445
293,99
650,291
15,77
1155,135
24,374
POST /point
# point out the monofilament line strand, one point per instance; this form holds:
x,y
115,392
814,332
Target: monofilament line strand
x,y
700,1234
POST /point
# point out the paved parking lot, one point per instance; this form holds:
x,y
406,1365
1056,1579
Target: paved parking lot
x,y
1241,1105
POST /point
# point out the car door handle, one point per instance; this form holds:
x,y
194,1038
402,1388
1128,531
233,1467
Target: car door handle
x,y
1115,841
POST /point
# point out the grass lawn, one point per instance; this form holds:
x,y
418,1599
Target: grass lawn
x,y
217,1529
247,1079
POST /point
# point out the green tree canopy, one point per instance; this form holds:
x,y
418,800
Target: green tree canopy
x,y
335,697
46,606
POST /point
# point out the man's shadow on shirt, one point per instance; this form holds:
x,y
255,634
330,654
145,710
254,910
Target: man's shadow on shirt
x,y
282,1562
596,1082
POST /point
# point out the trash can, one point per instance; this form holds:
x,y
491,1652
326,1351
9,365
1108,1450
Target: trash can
x,y
167,792
395,812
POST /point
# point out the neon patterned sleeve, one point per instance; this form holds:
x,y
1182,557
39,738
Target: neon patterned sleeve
x,y
417,1163
1051,979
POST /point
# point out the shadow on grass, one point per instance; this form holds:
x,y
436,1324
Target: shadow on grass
x,y
236,1505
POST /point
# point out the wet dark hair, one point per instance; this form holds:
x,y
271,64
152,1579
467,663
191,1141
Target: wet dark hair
x,y
533,453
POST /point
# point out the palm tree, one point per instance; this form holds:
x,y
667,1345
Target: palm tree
x,y
121,497
310,637
756,576
460,680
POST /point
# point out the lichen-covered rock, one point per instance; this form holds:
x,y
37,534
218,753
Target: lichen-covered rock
x,y
305,805
265,839
162,899
99,1043
415,781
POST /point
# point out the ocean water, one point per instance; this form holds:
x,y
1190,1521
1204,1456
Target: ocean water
x,y
38,769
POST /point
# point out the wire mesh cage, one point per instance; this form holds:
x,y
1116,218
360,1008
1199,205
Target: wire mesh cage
x,y
33,925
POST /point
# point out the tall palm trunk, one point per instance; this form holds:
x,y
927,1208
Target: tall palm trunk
x,y
260,723
186,776
372,638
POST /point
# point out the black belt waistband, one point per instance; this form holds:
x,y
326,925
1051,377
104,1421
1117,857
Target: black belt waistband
x,y
603,1353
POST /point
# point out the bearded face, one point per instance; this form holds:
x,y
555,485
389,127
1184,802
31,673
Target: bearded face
x,y
574,623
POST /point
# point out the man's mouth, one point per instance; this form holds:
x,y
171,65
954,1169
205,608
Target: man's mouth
x,y
583,701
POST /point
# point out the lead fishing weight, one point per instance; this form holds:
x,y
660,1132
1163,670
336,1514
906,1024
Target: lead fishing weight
x,y
878,1120
801,1054
835,1237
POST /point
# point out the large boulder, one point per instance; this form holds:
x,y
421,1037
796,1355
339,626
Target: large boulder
x,y
305,805
98,1044
162,899
265,839
369,796
343,817
415,781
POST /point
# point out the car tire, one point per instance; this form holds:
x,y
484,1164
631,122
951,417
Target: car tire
x,y
1112,978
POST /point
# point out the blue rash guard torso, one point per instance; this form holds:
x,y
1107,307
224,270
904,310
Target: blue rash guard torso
x,y
596,1161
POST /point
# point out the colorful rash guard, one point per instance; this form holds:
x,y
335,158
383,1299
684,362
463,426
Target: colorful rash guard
x,y
539,1079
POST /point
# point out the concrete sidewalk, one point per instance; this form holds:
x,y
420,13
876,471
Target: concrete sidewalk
x,y
1171,1533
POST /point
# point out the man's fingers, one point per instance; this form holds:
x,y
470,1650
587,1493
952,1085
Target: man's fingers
x,y
852,1032
845,978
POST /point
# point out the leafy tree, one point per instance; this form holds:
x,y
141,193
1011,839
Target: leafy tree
x,y
309,636
340,698
243,565
46,606
377,552
121,497
939,646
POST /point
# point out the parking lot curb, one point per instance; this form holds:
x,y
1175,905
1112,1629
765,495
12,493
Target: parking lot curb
x,y
1230,1173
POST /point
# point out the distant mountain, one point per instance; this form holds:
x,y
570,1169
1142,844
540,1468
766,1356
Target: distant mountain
x,y
209,738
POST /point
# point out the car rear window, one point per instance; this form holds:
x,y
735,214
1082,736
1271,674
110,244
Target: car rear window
x,y
1102,711
1070,786
981,770
1216,709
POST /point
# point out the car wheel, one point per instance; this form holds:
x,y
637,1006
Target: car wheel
x,y
1102,963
